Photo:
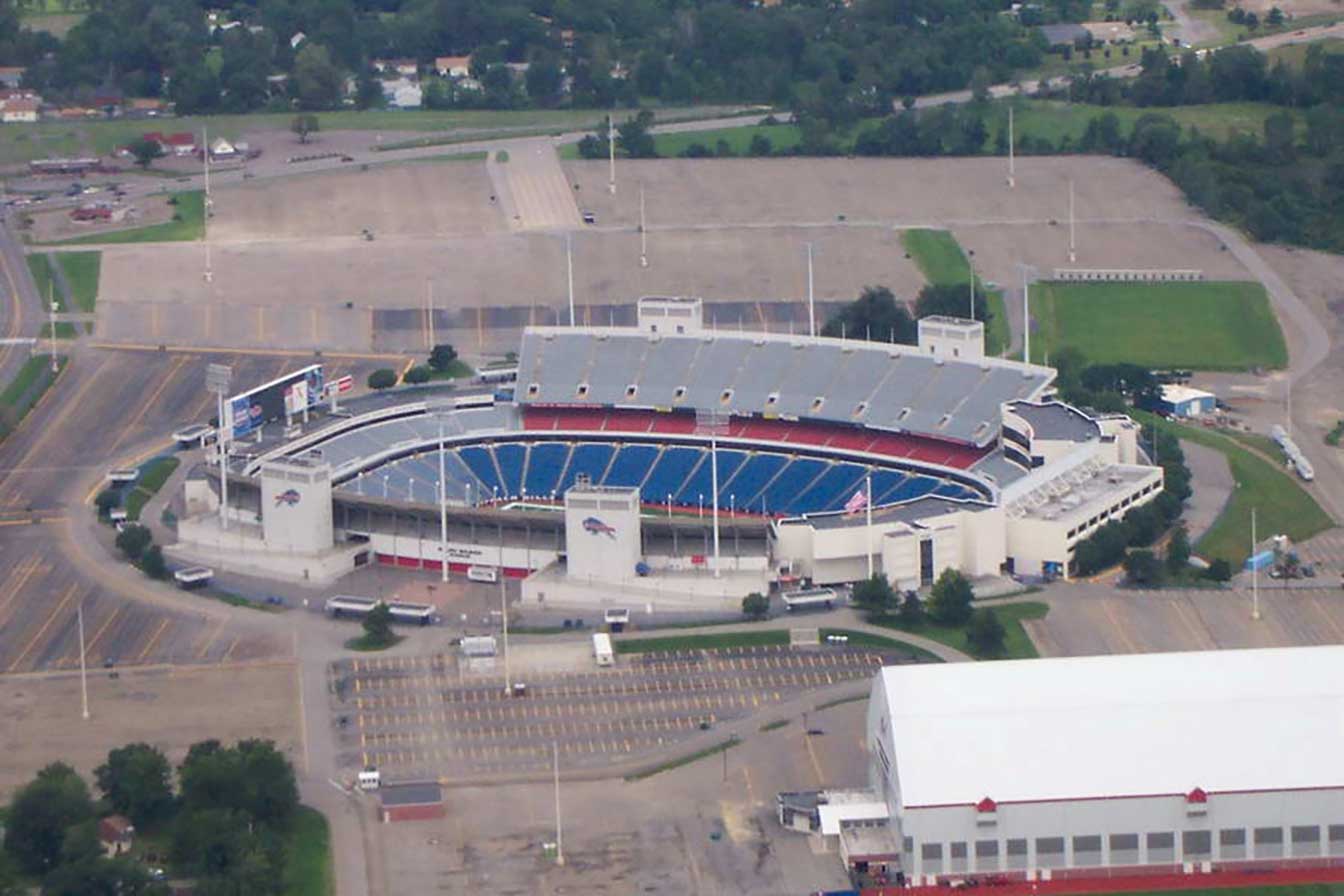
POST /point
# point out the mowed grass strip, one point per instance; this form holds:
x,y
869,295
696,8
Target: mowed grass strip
x,y
81,271
724,641
1016,642
190,225
33,379
40,267
1213,325
941,260
152,477
308,870
782,137
1281,504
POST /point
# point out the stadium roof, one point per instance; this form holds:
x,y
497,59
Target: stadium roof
x,y
1056,421
876,384
1110,726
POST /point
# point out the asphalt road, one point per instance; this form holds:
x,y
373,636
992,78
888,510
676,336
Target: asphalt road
x,y
21,307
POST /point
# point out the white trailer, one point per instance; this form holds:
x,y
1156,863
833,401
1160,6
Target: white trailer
x,y
602,650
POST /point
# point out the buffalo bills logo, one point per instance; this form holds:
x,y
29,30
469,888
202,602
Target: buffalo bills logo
x,y
597,527
289,497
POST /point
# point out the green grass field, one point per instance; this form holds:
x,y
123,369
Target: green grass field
x,y
308,870
724,641
1205,325
64,330
190,209
782,137
1296,54
877,642
153,474
1055,119
81,272
364,644
18,398
40,267
1016,643
1281,504
939,257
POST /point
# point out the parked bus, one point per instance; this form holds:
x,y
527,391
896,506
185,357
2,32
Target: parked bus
x,y
123,477
412,614
602,650
344,605
488,574
194,576
809,599
194,436
616,619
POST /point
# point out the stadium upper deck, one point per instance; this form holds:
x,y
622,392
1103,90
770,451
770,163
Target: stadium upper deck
x,y
893,387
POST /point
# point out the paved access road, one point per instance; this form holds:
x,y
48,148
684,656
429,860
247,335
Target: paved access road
x,y
429,717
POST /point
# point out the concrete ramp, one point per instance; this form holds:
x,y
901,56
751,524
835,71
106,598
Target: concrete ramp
x,y
540,193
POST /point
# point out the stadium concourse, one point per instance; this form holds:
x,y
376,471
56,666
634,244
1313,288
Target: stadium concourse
x,y
706,464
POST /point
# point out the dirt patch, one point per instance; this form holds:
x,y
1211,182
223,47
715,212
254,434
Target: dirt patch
x,y
40,717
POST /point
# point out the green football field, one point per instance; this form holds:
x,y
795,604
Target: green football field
x,y
1213,325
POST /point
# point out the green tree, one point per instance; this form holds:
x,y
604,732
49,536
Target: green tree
x,y
760,146
545,81
1219,570
950,599
40,815
303,124
137,781
633,137
152,563
108,499
99,876
253,778
985,633
195,89
950,299
382,378
1143,569
378,625
911,612
317,80
755,605
442,356
418,374
145,151
874,595
133,540
875,315
1178,551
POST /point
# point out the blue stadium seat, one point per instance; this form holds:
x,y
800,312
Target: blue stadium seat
x,y
794,478
587,458
510,457
831,490
669,473
482,465
630,465
953,490
885,483
751,478
914,487
701,481
545,462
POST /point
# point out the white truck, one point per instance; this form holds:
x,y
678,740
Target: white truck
x,y
602,651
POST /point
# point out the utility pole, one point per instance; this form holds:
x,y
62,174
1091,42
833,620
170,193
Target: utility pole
x,y
972,270
443,512
559,827
1073,247
217,377
868,505
1012,161
83,669
51,320
429,312
1255,573
611,153
811,302
504,611
1026,312
714,475
643,231
569,267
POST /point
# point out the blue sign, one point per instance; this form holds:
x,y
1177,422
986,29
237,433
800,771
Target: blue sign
x,y
595,526
251,410
289,497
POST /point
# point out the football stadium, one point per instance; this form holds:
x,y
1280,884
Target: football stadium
x,y
675,464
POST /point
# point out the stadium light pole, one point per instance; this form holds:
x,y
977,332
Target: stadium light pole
x,y
443,511
569,269
611,153
868,504
1026,311
559,828
811,303
1073,249
1012,161
83,668
643,231
504,613
53,307
429,312
714,489
217,378
1255,573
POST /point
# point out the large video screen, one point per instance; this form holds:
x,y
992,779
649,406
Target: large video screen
x,y
290,394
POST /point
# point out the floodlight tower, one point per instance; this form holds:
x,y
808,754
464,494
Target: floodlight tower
x,y
1073,246
643,231
1012,166
611,153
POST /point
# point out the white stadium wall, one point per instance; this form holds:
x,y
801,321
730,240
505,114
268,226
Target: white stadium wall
x,y
602,533
296,506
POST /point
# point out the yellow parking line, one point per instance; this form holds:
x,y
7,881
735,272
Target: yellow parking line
x,y
69,593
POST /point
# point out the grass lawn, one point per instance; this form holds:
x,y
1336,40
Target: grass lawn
x,y
720,747
33,379
308,870
724,641
781,137
367,645
1296,54
153,474
939,257
1056,119
1016,644
457,370
40,267
1281,504
64,330
81,272
1205,325
191,210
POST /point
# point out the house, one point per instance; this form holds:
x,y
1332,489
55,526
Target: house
x,y
519,69
11,75
146,107
1110,32
453,66
567,38
403,93
116,834
108,97
1184,401
405,68
20,109
298,38
223,149
1063,35
183,143
77,113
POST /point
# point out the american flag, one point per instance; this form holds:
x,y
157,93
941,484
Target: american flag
x,y
856,503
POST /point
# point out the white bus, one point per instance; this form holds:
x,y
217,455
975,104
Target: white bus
x,y
123,477
195,435
483,574
809,599
602,650
194,576
345,605
413,614
616,619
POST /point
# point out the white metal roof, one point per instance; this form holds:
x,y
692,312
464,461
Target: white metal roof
x,y
1030,730
1176,393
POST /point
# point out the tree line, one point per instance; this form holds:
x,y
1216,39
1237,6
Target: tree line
x,y
222,815
850,59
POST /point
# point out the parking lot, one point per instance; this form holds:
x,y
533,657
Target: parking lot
x,y
428,716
